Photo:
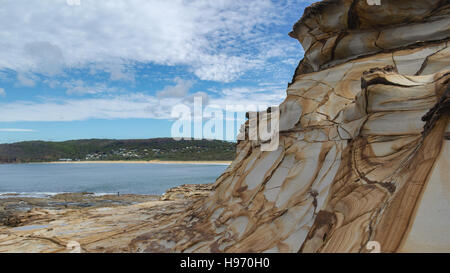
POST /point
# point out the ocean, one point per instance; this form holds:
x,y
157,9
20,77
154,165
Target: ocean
x,y
40,180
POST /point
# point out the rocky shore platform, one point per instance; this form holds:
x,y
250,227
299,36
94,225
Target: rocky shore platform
x,y
83,222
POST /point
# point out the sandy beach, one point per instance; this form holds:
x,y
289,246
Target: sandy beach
x,y
142,162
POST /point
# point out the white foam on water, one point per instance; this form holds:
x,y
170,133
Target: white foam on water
x,y
4,195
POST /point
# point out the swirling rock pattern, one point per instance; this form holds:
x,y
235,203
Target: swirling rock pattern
x,y
364,149
363,155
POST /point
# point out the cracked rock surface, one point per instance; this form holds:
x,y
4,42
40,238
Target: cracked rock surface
x,y
98,227
364,147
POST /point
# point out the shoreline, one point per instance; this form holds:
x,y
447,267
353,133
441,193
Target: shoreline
x,y
136,162
99,224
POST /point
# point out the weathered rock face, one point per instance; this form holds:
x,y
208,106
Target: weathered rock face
x,y
108,223
364,143
363,156
187,192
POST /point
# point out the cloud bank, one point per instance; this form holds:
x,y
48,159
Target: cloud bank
x,y
48,37
136,105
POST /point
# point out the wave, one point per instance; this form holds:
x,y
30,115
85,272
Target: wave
x,y
4,195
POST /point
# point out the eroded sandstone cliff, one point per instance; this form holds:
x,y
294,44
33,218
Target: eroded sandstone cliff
x,y
363,154
364,144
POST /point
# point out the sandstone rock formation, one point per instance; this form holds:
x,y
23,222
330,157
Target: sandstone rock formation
x,y
363,156
364,144
91,223
187,192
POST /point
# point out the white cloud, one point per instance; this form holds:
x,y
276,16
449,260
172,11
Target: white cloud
x,y
218,39
2,92
26,79
176,91
118,70
15,130
46,58
135,105
79,87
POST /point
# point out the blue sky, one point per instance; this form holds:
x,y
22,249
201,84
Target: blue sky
x,y
115,69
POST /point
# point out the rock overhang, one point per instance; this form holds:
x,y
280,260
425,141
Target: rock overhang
x,y
335,31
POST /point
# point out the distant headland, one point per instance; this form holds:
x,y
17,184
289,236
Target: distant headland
x,y
156,151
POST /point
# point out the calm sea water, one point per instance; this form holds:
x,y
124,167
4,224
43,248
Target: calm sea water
x,y
44,179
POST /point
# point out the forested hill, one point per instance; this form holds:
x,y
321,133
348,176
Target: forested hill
x,y
107,149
